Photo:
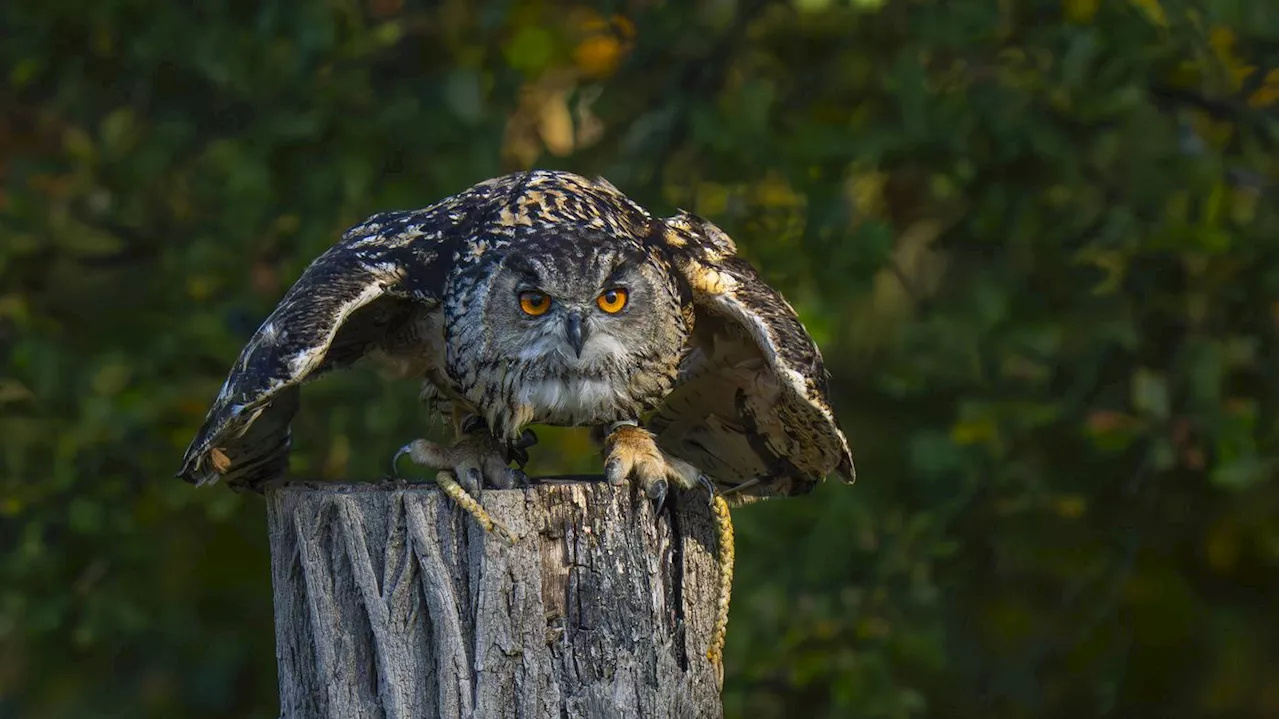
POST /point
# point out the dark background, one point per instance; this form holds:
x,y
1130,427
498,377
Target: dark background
x,y
1035,239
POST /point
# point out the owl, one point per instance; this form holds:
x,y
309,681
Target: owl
x,y
546,298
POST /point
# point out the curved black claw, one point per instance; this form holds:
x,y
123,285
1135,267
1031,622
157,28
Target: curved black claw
x,y
395,460
705,483
517,478
527,440
518,451
517,455
474,480
657,493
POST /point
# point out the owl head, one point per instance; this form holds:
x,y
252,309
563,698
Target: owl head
x,y
579,303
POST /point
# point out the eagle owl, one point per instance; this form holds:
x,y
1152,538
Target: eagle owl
x,y
547,298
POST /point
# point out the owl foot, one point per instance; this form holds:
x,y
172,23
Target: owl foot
x,y
518,452
477,460
631,453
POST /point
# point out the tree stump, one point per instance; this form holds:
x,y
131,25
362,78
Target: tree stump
x,y
392,602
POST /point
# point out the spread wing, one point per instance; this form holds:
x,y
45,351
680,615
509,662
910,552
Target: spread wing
x,y
372,292
750,408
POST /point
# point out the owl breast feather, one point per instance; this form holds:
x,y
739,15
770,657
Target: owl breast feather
x,y
574,400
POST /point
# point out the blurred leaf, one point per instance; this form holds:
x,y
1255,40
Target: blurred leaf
x,y
530,50
1150,393
1036,243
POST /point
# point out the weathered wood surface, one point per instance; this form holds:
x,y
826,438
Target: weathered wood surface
x,y
391,602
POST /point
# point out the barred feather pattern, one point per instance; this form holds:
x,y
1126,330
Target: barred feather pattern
x,y
715,360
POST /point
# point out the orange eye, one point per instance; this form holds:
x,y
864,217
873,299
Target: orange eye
x,y
612,301
534,303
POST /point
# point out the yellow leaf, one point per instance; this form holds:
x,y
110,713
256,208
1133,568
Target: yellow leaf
x,y
1223,42
598,56
1244,204
1071,506
1153,11
79,145
607,42
974,431
774,193
1113,262
1080,11
711,199
111,379
866,190
555,125
14,306
117,130
11,390
1211,209
1266,95
24,72
201,287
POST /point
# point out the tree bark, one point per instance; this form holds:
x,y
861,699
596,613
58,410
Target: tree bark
x,y
392,602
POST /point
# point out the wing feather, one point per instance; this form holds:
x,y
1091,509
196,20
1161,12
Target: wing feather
x,y
751,405
377,291
357,298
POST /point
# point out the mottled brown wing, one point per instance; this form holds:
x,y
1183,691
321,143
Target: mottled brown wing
x,y
750,408
370,292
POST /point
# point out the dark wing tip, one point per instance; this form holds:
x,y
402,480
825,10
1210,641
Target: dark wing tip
x,y
846,469
192,477
192,471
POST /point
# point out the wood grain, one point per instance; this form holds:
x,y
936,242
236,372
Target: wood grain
x,y
391,602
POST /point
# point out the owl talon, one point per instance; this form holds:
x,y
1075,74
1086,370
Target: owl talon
x,y
517,478
613,472
455,463
527,440
518,455
395,460
632,453
705,483
518,451
657,493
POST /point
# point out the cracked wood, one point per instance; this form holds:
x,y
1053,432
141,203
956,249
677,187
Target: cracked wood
x,y
391,603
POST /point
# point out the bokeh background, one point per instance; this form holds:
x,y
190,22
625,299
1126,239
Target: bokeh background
x,y
1036,239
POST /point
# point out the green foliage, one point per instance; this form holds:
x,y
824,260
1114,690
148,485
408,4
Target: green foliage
x,y
1037,241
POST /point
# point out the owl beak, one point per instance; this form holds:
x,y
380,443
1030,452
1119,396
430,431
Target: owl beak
x,y
573,330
